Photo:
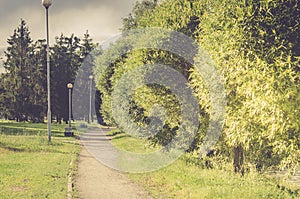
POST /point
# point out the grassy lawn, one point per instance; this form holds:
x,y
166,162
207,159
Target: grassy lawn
x,y
30,167
182,180
128,143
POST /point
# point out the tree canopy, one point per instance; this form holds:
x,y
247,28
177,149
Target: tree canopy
x,y
23,86
255,47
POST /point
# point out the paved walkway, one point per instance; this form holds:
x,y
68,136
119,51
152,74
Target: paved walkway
x,y
95,180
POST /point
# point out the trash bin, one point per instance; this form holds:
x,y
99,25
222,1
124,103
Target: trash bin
x,y
69,132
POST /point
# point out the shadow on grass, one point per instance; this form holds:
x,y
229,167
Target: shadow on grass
x,y
9,148
120,137
114,133
23,131
30,150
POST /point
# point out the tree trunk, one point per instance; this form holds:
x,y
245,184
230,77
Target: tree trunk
x,y
238,159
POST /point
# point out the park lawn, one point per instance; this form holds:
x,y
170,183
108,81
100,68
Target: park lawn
x,y
129,143
30,167
183,180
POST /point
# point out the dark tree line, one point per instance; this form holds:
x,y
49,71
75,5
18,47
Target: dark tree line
x,y
23,88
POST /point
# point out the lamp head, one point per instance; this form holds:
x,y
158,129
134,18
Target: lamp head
x,y
47,3
69,86
91,77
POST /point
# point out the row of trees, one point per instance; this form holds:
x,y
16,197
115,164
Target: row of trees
x,y
255,46
23,87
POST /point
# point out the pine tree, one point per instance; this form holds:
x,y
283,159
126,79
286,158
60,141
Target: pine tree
x,y
88,52
66,62
5,97
38,84
18,66
23,87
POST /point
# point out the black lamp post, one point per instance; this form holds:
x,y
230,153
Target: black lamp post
x,y
70,86
69,131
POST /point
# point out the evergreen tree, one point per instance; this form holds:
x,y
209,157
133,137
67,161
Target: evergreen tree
x,y
88,52
23,87
21,75
38,84
5,96
66,62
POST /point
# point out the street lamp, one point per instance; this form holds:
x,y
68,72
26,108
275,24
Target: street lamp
x,y
70,86
47,4
90,109
69,131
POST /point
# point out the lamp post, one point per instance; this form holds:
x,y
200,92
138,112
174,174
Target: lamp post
x,y
69,131
70,86
47,4
90,108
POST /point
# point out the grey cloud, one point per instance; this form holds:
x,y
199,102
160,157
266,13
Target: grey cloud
x,y
107,13
117,5
60,5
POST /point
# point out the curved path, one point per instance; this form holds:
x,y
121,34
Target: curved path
x,y
95,180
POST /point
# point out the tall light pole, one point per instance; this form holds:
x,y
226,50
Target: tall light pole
x,y
47,4
70,86
90,109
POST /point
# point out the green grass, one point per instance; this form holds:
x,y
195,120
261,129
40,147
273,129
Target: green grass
x,y
30,166
182,180
131,144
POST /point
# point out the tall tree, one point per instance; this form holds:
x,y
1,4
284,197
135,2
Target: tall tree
x,y
20,83
23,87
38,84
66,61
88,51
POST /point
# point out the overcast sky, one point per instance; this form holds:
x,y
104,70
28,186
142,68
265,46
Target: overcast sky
x,y
103,18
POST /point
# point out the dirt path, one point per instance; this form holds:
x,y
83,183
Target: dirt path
x,y
96,181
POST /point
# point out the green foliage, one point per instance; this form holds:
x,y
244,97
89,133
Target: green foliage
x,y
25,72
258,76
68,55
275,40
66,62
255,47
139,9
23,88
